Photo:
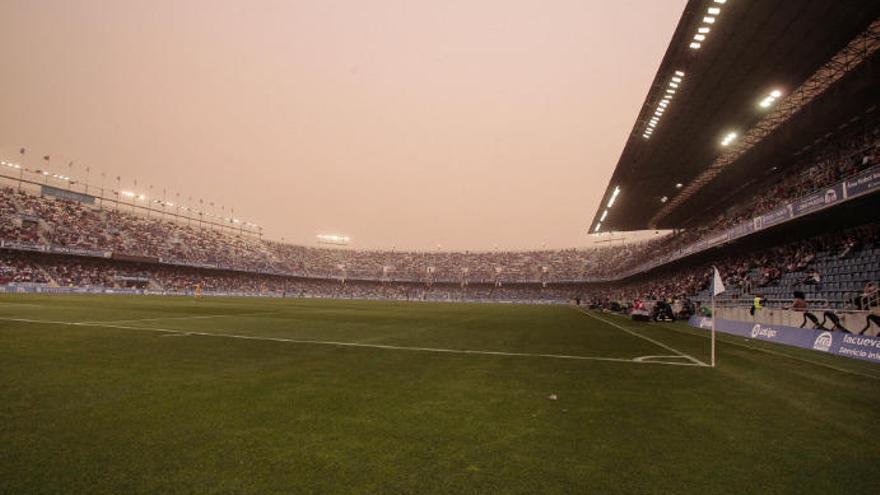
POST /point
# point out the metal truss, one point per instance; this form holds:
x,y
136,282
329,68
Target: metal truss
x,y
843,62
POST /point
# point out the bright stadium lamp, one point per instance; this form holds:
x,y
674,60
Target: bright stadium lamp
x,y
614,196
770,99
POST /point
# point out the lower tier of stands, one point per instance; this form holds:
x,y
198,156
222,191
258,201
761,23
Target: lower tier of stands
x,y
836,270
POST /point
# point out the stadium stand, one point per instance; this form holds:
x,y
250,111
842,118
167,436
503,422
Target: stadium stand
x,y
182,256
45,222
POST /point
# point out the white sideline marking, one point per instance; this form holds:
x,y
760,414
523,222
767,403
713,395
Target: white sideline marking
x,y
182,333
727,340
196,317
649,339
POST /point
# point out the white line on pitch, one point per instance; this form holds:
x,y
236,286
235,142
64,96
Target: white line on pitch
x,y
28,320
726,340
170,331
649,339
196,317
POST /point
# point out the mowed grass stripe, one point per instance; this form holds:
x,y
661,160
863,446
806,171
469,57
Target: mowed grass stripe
x,y
98,410
529,330
654,360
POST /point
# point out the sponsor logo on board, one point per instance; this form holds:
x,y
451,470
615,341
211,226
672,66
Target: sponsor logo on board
x,y
823,342
764,332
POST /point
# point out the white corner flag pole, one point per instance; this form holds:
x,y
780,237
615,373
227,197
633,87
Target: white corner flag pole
x,y
717,288
713,329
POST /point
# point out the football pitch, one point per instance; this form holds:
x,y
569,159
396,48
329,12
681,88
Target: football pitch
x,y
119,394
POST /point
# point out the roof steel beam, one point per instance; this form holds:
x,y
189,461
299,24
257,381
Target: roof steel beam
x,y
847,59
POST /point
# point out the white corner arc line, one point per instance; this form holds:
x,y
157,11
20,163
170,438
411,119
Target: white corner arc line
x,y
660,358
649,339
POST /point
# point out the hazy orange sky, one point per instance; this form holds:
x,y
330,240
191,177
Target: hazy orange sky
x,y
405,123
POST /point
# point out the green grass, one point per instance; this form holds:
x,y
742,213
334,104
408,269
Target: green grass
x,y
98,409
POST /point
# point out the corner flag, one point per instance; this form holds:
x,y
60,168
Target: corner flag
x,y
717,288
717,284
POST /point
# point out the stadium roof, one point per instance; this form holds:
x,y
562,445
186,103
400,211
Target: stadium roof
x,y
702,93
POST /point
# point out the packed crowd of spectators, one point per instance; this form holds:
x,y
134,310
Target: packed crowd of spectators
x,y
684,287
28,218
29,269
32,219
20,269
748,274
